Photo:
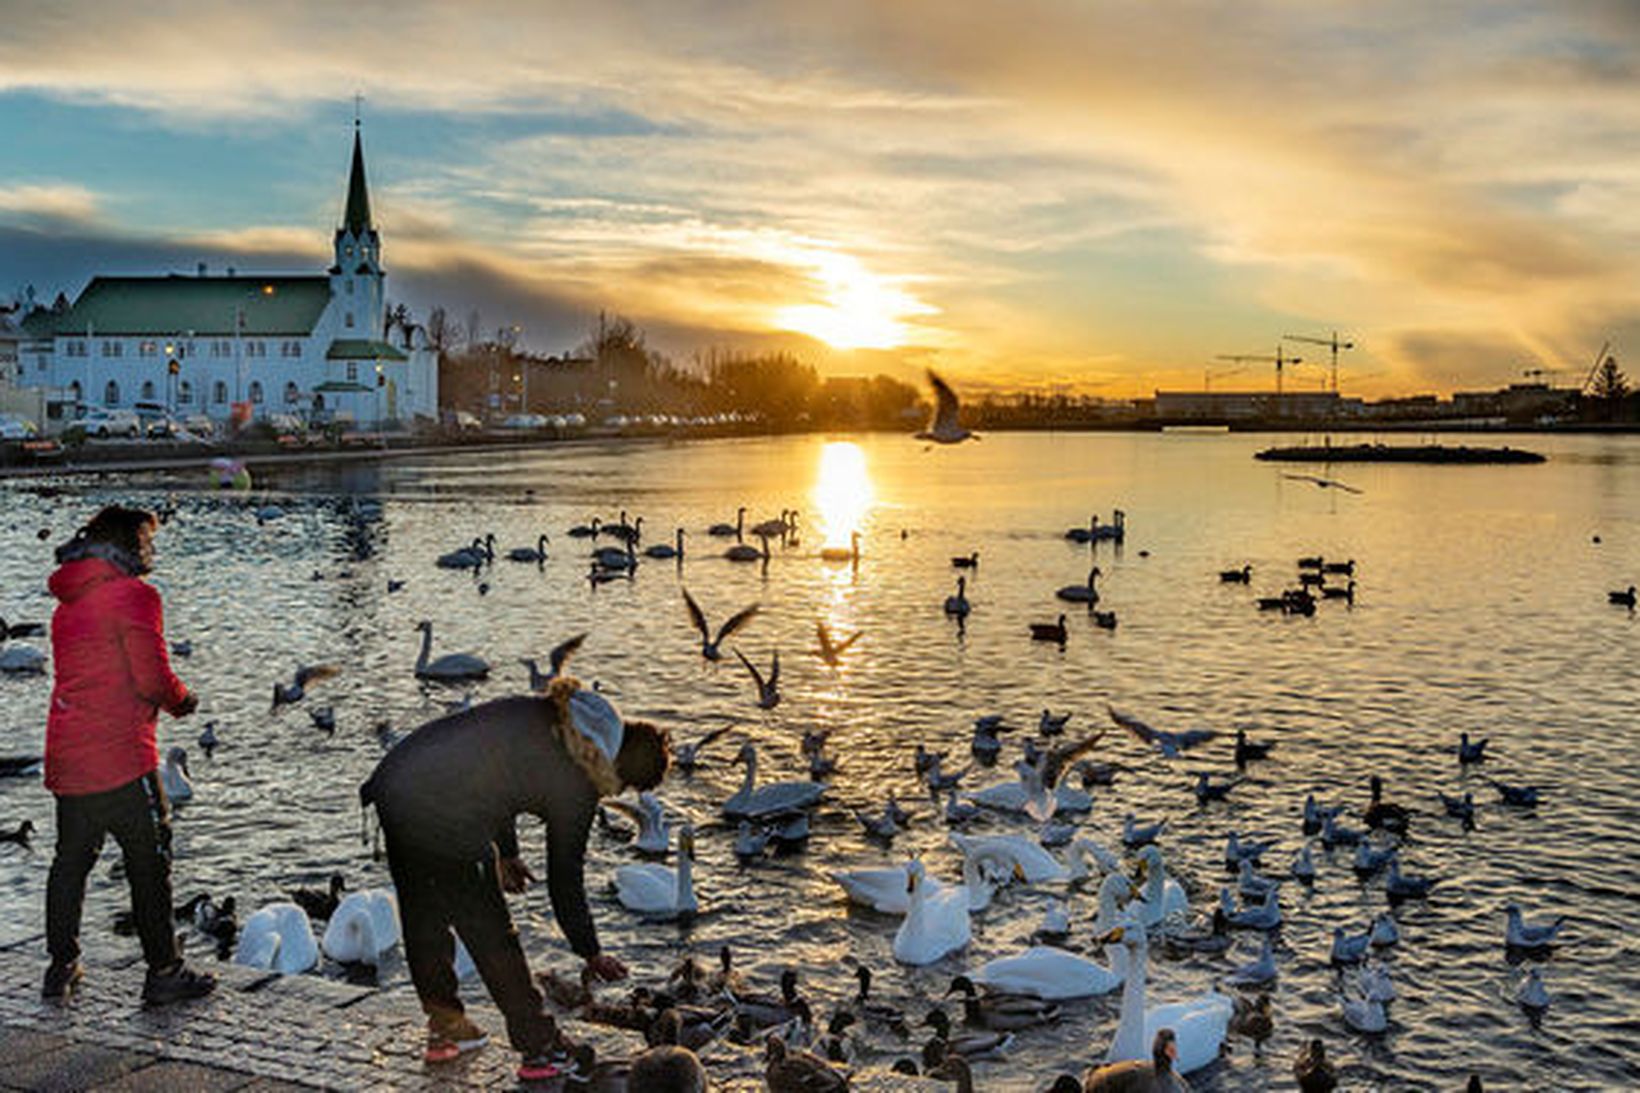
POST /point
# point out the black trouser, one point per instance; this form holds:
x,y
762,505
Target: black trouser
x,y
137,815
439,894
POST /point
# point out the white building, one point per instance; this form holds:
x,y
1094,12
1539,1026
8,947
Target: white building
x,y
314,346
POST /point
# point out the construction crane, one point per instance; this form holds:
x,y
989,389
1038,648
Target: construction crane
x,y
1210,374
1279,360
1331,343
1594,370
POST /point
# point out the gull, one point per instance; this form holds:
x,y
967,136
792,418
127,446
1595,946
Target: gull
x,y
555,662
1250,884
958,812
1384,931
878,827
943,427
752,840
829,651
1521,796
1041,777
1350,948
686,757
207,739
1208,790
324,719
768,690
939,782
1303,868
1236,851
1533,996
1520,934
1471,752
1316,816
1170,744
709,645
284,695
926,760
1135,835
1323,483
1258,972
1334,834
1049,725
1462,808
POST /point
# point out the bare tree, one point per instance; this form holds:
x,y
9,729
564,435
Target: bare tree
x,y
474,325
441,335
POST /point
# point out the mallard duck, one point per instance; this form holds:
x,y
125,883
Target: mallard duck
x,y
1383,814
789,1071
1156,1075
1002,1010
970,1045
877,1012
1313,1071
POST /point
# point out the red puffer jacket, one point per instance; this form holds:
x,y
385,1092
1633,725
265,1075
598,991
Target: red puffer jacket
x,y
113,676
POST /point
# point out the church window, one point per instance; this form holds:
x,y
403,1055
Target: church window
x,y
256,392
76,392
352,372
291,349
219,393
111,394
256,349
350,320
292,394
112,349
147,390
350,286
347,251
148,349
185,392
76,348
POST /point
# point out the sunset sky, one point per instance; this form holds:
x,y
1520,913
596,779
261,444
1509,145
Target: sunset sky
x,y
1096,196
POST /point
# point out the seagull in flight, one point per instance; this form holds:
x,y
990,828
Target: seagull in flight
x,y
1041,777
832,651
1323,483
555,661
768,690
708,644
943,427
1170,744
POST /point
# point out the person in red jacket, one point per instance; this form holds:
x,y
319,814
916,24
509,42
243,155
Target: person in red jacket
x,y
113,676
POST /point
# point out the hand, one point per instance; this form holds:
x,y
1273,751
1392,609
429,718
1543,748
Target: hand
x,y
514,875
606,967
189,703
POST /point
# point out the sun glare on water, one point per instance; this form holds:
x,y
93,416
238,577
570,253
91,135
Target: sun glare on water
x,y
843,493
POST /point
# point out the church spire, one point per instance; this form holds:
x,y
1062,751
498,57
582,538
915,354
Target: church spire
x,y
356,220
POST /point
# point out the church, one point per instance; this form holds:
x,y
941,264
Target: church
x,y
243,347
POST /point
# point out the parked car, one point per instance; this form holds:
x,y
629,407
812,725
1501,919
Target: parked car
x,y
524,422
106,423
200,425
14,427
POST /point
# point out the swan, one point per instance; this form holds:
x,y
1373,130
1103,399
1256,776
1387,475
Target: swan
x,y
279,937
363,927
1622,599
774,528
472,556
654,832
1038,866
617,558
1114,891
936,923
757,802
585,531
537,553
174,777
666,550
1114,533
657,891
735,529
1244,575
1082,593
1162,895
451,666
884,890
957,606
745,552
1083,535
22,660
850,553
1199,1024
1013,797
1052,974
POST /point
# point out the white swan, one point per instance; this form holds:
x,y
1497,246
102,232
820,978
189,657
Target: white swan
x,y
1199,1025
936,923
1013,797
753,802
450,666
1162,895
279,937
1049,973
884,890
1114,891
175,777
654,832
1038,866
657,891
363,927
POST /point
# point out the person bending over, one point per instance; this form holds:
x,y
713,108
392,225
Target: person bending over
x,y
447,797
102,757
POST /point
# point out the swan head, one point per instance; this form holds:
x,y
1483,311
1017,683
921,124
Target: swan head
x,y
424,624
178,758
747,754
686,841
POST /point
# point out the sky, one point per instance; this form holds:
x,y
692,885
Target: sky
x,y
1097,197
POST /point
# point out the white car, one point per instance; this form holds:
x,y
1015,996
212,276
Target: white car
x,y
524,421
106,423
13,427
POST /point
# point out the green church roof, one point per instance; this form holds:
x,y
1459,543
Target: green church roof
x,y
202,306
360,349
357,217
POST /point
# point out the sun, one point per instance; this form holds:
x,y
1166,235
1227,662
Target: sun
x,y
860,309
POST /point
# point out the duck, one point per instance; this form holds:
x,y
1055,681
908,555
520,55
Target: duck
x,y
1313,1071
175,777
278,938
1303,866
363,928
1247,751
936,923
1105,620
320,903
1622,599
957,606
768,689
22,660
1002,1011
1082,593
1520,934
710,646
1050,631
1255,973
451,667
850,553
654,832
1333,592
1136,835
1533,995
755,802
877,1012
795,1071
18,835
735,529
536,554
1384,814
966,561
1049,973
1161,895
1199,1024
967,1045
656,891
1253,1021
1244,575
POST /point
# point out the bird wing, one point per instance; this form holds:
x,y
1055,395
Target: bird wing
x,y
736,621
625,808
774,669
564,650
1191,737
946,406
827,651
313,673
1056,760
1304,478
711,736
697,616
757,677
842,647
1340,485
1132,724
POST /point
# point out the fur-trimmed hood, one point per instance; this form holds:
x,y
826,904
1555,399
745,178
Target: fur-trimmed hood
x,y
588,753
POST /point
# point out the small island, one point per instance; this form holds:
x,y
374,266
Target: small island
x,y
1397,453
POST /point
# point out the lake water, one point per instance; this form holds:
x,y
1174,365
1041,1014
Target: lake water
x,y
1480,606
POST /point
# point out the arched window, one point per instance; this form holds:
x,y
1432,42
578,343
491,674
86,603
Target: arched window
x,y
293,394
256,392
76,392
147,390
219,393
318,404
111,394
185,392
349,320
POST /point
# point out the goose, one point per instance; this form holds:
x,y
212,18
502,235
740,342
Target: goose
x,y
1136,835
666,550
709,646
19,835
278,938
1162,895
1237,852
585,531
1384,814
943,427
1399,887
556,659
1049,631
1265,915
1247,750
452,667
1244,575
1384,932
1250,884
1303,866
850,553
768,690
963,1045
789,1070
1471,752
654,832
1347,593
1533,996
1199,1024
966,561
1622,599
659,892
1519,796
1520,934
22,660
296,690
208,740
686,757
320,903
957,606
1049,973
1082,593
1364,1014
174,777
1313,1071
1255,973
1349,948
536,554
363,928
936,923
829,650
1170,744
754,802
1002,1011
735,529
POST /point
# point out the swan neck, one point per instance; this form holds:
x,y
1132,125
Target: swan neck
x,y
1130,1030
426,647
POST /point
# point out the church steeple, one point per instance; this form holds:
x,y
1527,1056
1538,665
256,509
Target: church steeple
x,y
356,220
356,280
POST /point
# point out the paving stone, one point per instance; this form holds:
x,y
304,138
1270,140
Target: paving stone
x,y
167,1076
72,1068
17,1044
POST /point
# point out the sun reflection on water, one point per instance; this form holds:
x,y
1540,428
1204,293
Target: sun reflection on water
x,y
843,492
